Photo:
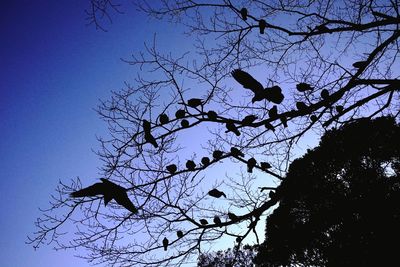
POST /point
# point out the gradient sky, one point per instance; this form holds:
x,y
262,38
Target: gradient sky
x,y
54,70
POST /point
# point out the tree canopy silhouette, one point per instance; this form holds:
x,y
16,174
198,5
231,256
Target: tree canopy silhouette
x,y
264,74
339,203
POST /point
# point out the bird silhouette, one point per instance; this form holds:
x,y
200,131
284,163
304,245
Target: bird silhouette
x,y
273,112
248,82
324,94
172,168
148,137
212,115
194,102
216,193
302,107
203,222
163,118
110,191
236,152
243,13
273,94
185,123
302,87
249,119
232,216
179,233
251,163
217,221
359,64
231,127
190,165
180,113
217,154
262,24
165,243
205,161
265,165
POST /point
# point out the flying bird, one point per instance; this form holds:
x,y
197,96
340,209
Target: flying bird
x,y
185,123
302,87
203,222
217,221
216,193
148,137
217,154
236,152
232,216
359,64
273,94
273,112
262,24
265,165
212,115
110,191
165,243
249,119
163,118
243,13
247,81
172,168
180,113
179,233
205,161
251,163
324,94
190,165
231,127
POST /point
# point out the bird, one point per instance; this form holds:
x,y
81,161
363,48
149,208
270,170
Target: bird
x,y
194,102
243,13
273,112
265,165
231,127
148,137
110,191
249,119
273,94
205,161
212,115
179,233
302,87
163,118
203,221
262,24
359,64
180,113
247,81
269,126
232,216
313,118
251,163
217,221
216,193
190,165
165,243
217,154
236,152
324,94
172,168
185,123
302,107
339,108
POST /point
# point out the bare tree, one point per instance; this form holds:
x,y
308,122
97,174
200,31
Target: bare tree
x,y
266,73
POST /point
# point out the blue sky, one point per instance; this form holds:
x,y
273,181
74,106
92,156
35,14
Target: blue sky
x,y
54,70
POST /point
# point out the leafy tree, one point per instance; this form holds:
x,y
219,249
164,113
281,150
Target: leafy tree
x,y
265,74
229,258
339,203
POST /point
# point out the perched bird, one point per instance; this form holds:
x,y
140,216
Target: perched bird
x,y
216,193
148,137
251,163
212,115
190,165
359,64
248,82
205,161
172,168
324,94
217,154
269,126
217,221
231,127
185,123
339,108
273,112
243,13
313,118
302,107
232,216
203,222
165,243
194,102
262,24
163,118
110,191
236,152
249,119
180,113
265,165
179,233
273,94
302,87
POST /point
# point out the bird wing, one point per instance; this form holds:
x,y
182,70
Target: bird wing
x,y
123,199
93,190
247,81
